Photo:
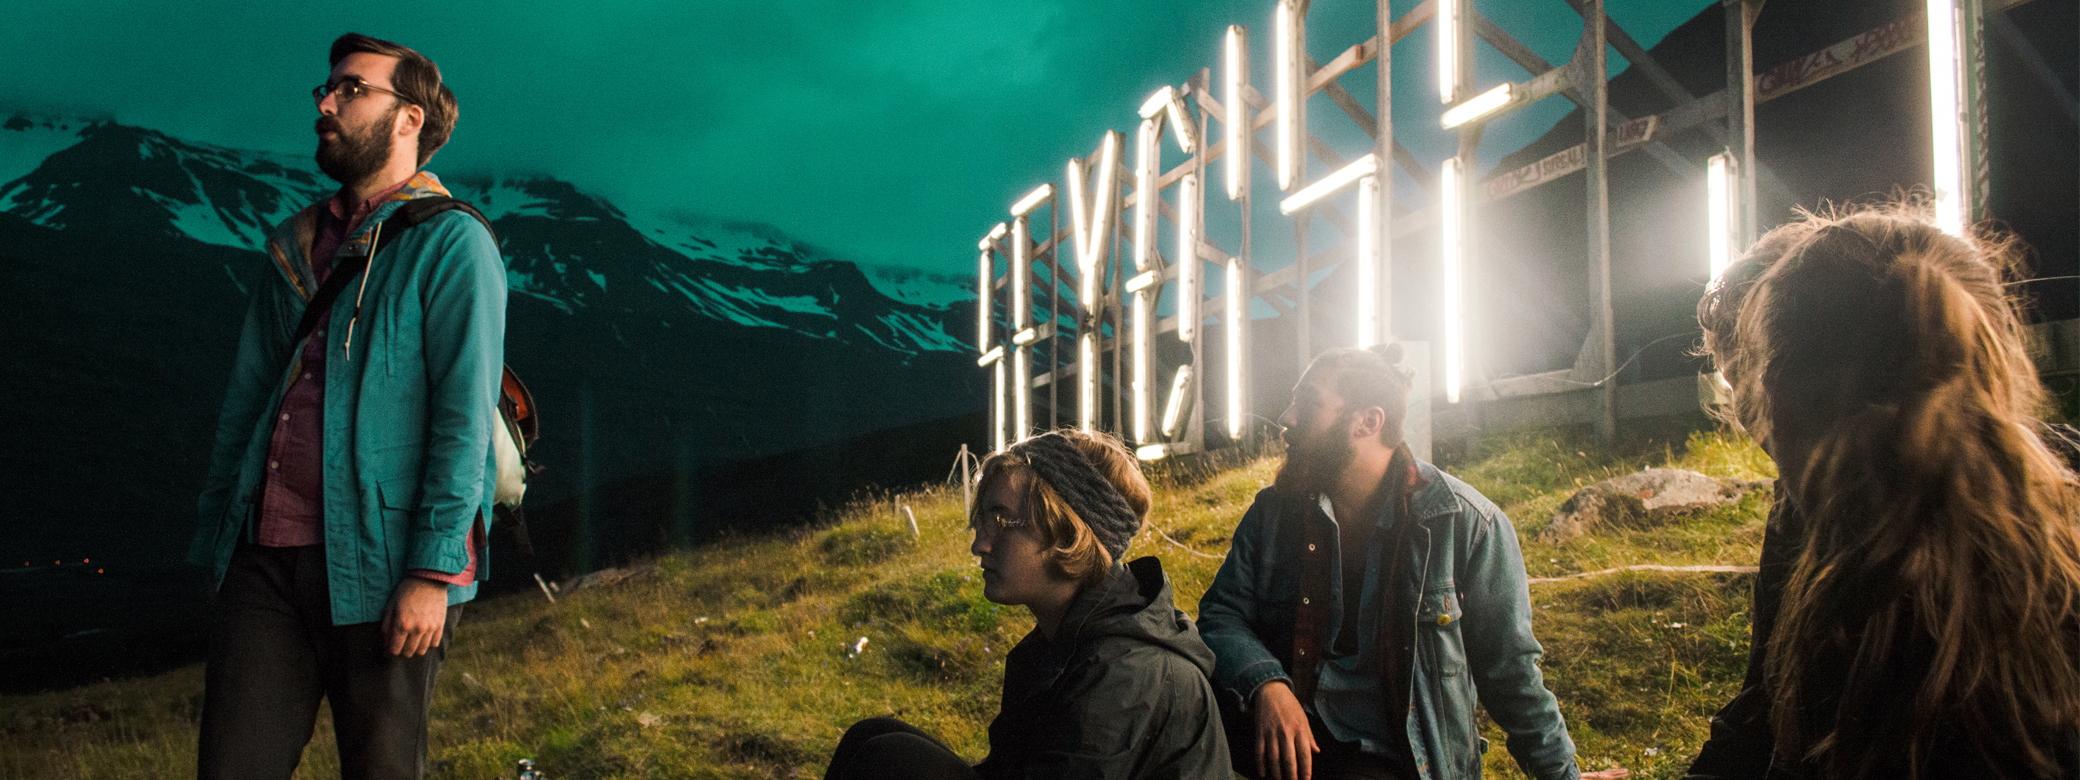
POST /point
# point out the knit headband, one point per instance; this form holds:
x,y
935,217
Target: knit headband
x,y
1094,498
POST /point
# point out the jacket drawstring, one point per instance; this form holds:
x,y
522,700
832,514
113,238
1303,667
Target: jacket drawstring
x,y
374,240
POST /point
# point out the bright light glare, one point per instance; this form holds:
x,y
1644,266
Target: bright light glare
x,y
1087,381
1454,235
1022,375
1358,169
1236,295
1477,106
1287,70
1101,215
1146,156
1368,262
1139,283
1718,179
1173,413
1187,134
1141,368
1236,124
1152,452
1032,199
1448,51
1188,258
1019,290
996,408
1946,115
985,298
1155,103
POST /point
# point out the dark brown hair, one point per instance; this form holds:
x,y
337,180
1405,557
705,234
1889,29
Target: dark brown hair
x,y
1936,602
417,80
1371,377
1070,543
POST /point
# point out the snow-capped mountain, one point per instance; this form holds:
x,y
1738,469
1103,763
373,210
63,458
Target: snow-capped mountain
x,y
651,342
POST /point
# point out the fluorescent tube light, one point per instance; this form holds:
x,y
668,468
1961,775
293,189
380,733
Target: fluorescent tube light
x,y
1032,199
1236,123
1358,169
1477,106
1453,244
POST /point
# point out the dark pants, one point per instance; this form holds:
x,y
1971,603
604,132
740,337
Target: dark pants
x,y
886,748
1335,761
274,653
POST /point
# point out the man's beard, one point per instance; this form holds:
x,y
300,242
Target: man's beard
x,y
1313,460
352,156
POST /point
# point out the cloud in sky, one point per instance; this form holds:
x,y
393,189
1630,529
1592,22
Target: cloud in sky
x,y
893,131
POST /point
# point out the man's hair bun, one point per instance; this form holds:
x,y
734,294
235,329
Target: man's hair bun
x,y
1390,352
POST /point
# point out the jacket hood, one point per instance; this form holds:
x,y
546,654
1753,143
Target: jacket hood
x,y
1134,602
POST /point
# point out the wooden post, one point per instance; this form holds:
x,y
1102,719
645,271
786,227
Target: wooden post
x,y
1740,116
1978,168
1602,320
1383,151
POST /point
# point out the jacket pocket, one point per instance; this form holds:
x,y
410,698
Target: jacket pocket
x,y
1441,669
396,500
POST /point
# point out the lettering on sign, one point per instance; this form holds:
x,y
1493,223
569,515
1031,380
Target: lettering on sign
x,y
1833,60
1561,163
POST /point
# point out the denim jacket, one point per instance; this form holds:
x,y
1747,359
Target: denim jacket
x,y
1461,617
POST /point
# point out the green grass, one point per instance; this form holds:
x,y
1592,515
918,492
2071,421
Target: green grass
x,y
735,659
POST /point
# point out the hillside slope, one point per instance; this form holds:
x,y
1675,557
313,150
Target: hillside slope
x,y
744,658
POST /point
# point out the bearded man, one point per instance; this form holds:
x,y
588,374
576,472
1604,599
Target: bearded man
x,y
1368,600
352,476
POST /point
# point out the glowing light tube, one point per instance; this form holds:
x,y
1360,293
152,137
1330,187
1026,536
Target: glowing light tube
x,y
1946,114
994,354
1100,227
1073,174
1022,391
996,409
1236,296
1141,366
1718,178
1152,451
1448,51
1156,102
1187,134
1087,381
1019,269
1188,258
1287,73
1358,169
1477,106
1032,200
984,298
1146,156
1236,123
1173,412
1368,262
1142,282
1452,242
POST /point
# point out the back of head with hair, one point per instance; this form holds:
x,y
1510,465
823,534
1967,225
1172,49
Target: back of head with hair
x,y
417,80
1371,377
1936,603
1076,551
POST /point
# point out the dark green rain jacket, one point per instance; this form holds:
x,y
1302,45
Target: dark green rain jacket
x,y
1121,692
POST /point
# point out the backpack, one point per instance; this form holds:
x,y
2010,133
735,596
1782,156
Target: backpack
x,y
518,426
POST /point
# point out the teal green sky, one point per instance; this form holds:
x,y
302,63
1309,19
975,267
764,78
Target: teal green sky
x,y
890,131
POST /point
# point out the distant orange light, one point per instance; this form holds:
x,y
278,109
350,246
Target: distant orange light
x,y
100,571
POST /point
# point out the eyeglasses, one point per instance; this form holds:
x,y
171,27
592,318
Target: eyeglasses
x,y
347,89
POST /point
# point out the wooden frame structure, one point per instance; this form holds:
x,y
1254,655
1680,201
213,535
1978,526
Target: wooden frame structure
x,y
1118,207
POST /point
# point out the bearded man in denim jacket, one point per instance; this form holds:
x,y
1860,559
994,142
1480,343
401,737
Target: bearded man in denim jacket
x,y
1368,600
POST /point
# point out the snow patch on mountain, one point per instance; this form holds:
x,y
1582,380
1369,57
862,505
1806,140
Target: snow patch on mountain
x,y
26,139
918,286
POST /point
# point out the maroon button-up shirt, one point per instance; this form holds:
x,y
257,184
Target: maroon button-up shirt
x,y
292,505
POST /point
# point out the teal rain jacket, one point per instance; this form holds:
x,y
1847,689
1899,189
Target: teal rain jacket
x,y
408,465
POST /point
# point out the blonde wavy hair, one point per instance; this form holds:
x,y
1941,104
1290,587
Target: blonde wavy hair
x,y
1935,606
1072,547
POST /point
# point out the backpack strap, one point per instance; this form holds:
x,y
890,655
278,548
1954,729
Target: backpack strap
x,y
404,218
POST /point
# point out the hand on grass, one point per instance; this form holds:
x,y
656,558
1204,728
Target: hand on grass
x,y
417,615
1285,745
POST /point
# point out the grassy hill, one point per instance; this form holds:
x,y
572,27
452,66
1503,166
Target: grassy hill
x,y
748,657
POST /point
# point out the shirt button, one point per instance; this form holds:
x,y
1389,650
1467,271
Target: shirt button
x,y
1303,600
306,374
285,415
274,464
1310,548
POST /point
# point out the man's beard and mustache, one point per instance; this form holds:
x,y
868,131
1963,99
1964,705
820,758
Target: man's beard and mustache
x,y
352,156
1313,460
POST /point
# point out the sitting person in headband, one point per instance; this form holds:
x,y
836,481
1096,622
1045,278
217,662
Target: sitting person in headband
x,y
1112,681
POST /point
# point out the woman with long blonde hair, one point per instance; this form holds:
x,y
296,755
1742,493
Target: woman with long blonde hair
x,y
1929,623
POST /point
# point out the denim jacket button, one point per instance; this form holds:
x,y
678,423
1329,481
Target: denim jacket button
x,y
1310,548
1303,600
1444,620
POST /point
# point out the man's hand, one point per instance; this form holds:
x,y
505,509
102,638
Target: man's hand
x,y
1612,773
1285,745
417,615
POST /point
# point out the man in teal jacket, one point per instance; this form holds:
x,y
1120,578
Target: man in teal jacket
x,y
352,477
1368,600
